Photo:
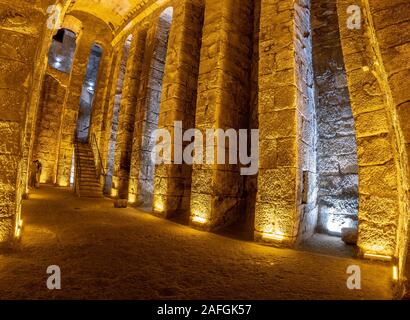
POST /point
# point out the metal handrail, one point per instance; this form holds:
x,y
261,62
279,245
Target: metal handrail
x,y
94,141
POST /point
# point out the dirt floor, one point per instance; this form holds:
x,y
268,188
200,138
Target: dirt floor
x,y
108,253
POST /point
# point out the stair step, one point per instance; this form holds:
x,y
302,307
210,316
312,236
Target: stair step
x,y
89,184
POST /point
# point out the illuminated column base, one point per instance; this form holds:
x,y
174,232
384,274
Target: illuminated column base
x,y
274,239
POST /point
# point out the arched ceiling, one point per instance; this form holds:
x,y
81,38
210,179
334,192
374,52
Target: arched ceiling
x,y
113,12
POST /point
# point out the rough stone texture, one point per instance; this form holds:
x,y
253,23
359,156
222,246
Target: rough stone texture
x,y
349,235
49,126
391,22
276,207
380,191
223,102
116,113
172,184
337,150
148,106
123,148
307,122
21,29
91,28
254,69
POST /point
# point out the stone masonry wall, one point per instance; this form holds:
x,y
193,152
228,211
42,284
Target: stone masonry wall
x,y
276,215
123,148
217,197
391,22
337,149
93,29
172,186
49,125
148,105
116,111
307,123
379,188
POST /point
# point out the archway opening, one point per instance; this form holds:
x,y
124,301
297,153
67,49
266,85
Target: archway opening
x,y
88,93
154,92
62,50
116,113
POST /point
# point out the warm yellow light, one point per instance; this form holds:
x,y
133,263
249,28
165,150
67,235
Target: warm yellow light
x,y
395,273
19,226
132,198
114,193
374,256
278,236
18,233
199,219
158,206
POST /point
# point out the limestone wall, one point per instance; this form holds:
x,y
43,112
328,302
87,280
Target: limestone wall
x,y
391,22
18,53
93,30
378,142
123,148
276,216
217,196
48,124
307,144
172,185
337,148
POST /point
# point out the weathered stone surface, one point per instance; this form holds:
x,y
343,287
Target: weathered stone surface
x,y
349,235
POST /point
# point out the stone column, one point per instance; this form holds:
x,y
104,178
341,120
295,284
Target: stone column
x,y
378,140
18,53
276,216
217,198
391,23
141,171
172,186
48,124
97,116
126,125
108,101
70,111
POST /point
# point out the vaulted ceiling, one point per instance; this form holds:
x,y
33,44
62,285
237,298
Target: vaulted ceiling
x,y
114,12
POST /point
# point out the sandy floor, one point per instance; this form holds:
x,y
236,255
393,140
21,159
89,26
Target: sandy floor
x,y
107,253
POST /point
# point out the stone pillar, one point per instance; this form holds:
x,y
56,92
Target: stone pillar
x,y
70,112
18,51
217,198
142,168
392,32
108,102
172,186
48,124
126,125
97,115
377,137
277,216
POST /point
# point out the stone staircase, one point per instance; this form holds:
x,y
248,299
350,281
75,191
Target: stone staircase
x,y
88,185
